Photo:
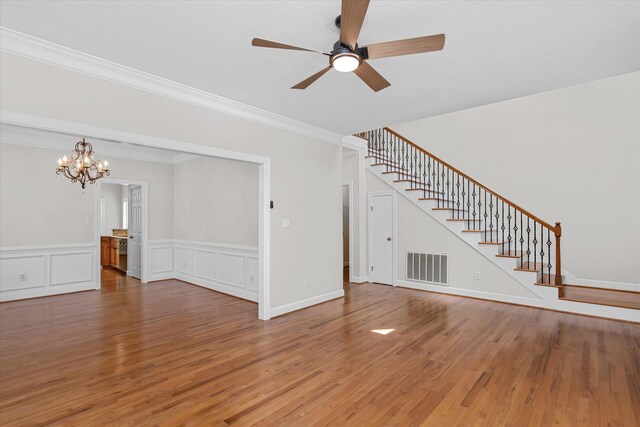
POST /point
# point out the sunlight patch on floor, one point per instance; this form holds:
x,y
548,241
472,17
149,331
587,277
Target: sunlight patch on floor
x,y
382,331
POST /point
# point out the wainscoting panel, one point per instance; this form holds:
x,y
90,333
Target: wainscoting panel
x,y
252,274
71,268
231,269
184,260
35,271
204,264
22,272
160,259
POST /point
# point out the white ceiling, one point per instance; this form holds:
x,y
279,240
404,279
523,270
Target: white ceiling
x,y
105,149
495,50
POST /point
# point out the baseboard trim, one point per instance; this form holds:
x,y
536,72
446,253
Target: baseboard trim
x,y
160,276
217,286
360,279
46,291
305,303
489,296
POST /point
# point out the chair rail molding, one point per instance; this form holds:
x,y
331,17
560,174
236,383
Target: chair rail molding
x,y
30,47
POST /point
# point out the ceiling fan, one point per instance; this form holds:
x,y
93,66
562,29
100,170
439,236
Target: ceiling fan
x,y
347,56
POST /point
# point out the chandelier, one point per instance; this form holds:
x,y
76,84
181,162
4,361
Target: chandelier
x,y
82,166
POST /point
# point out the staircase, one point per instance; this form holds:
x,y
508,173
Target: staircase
x,y
519,242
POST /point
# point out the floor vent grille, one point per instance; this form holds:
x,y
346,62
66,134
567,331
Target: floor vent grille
x,y
426,267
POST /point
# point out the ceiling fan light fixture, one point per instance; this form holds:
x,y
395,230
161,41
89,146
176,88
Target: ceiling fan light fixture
x,y
345,62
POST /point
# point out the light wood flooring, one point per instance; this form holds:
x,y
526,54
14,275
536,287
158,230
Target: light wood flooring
x,y
170,353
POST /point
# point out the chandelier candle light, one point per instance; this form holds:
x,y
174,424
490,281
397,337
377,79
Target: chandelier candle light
x,y
82,166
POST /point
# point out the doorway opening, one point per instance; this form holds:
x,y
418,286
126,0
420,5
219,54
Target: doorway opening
x,y
122,231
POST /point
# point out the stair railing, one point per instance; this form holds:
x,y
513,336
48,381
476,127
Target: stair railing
x,y
519,233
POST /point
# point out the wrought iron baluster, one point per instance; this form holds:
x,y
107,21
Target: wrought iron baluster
x,y
438,184
521,241
410,162
491,217
509,227
395,151
423,168
458,193
455,193
549,255
528,239
502,228
484,218
535,244
468,211
475,227
542,254
387,157
443,191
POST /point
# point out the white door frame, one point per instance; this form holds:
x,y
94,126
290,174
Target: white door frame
x,y
349,185
264,179
144,250
394,241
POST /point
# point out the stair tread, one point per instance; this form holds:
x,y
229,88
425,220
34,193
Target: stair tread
x,y
398,172
548,280
491,243
449,209
602,296
529,266
509,254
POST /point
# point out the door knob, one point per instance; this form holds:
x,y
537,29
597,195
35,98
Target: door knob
x,y
389,239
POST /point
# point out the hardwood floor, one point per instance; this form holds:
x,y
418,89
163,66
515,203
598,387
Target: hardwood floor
x,y
169,353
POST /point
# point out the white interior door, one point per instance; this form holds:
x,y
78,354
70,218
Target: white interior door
x,y
135,232
382,238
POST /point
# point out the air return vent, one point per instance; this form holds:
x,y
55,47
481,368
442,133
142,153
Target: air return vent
x,y
424,267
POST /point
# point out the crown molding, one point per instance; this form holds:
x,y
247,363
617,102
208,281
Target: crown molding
x,y
30,47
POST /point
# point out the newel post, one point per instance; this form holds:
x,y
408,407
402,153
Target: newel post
x,y
558,234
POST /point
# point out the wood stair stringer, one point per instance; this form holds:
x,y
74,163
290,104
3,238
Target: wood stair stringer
x,y
547,296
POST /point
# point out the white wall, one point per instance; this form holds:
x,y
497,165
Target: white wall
x,y
216,201
42,209
37,207
570,155
112,194
419,232
306,174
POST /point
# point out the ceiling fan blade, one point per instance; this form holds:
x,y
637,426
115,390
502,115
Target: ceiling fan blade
x,y
371,77
353,12
406,46
268,43
307,82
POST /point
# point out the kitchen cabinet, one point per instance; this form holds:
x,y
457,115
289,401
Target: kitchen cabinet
x,y
113,252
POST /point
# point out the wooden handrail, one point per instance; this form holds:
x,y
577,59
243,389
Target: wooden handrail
x,y
557,230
